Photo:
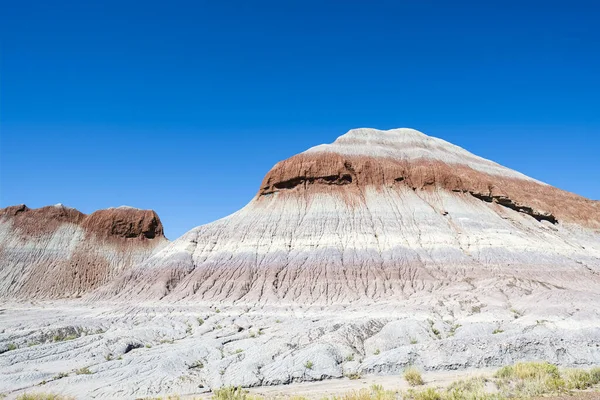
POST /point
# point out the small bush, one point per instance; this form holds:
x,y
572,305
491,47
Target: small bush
x,y
377,352
200,321
197,365
595,375
350,357
427,394
61,375
413,377
578,379
530,379
12,346
497,331
413,341
83,371
308,365
230,393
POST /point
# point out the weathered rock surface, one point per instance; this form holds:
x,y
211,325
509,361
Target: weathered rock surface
x,y
56,251
380,216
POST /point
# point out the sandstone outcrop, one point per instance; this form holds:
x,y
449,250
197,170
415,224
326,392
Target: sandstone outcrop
x,y
57,251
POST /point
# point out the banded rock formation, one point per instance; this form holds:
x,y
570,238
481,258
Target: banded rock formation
x,y
381,216
56,251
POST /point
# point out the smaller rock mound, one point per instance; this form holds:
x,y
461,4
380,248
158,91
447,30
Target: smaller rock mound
x,y
57,251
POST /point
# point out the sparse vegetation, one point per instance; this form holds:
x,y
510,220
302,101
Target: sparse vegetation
x,y
497,331
350,357
520,381
196,365
63,337
278,321
232,393
217,311
238,351
354,376
413,341
11,347
200,321
377,352
578,379
43,396
61,375
529,379
308,365
453,329
413,376
516,314
475,309
108,357
83,371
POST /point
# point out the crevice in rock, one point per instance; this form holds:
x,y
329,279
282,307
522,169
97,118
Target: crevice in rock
x,y
338,180
132,346
508,203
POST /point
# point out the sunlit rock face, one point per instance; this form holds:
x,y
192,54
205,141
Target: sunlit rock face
x,y
381,216
58,252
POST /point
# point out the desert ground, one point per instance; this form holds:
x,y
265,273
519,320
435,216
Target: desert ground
x,y
103,350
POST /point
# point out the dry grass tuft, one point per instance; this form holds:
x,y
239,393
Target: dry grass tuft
x,y
413,377
43,396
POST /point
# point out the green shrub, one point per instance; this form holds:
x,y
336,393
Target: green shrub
x,y
12,346
413,376
309,365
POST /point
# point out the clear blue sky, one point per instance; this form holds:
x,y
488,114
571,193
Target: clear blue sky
x,y
182,107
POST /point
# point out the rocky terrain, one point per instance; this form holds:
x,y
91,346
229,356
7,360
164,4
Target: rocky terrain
x,y
58,252
382,250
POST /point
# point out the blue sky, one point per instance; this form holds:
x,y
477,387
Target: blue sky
x,y
182,107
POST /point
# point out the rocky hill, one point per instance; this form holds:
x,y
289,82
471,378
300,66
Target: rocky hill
x,y
57,252
381,216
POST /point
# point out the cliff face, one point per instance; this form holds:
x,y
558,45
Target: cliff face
x,y
380,216
56,251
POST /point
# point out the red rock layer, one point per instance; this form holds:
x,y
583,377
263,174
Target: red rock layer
x,y
55,251
310,173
